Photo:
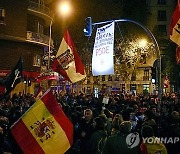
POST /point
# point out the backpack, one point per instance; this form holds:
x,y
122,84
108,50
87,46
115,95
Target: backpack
x,y
101,144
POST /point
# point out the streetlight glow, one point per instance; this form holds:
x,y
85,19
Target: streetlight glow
x,y
64,8
142,43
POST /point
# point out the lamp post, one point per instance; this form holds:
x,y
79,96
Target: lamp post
x,y
64,9
49,45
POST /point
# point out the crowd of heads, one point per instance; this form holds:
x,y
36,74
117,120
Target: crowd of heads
x,y
123,114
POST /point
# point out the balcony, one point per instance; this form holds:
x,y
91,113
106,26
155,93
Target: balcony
x,y
41,11
145,78
38,38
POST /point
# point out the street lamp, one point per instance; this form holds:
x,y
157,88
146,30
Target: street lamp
x,y
142,43
63,8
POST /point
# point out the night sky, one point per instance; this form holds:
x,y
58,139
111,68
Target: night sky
x,y
99,10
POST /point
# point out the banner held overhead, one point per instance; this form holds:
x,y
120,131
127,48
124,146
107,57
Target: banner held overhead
x,y
102,59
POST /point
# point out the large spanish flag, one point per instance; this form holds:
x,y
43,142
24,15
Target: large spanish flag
x,y
175,25
67,61
44,128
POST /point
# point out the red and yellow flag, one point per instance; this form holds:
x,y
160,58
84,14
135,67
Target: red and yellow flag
x,y
175,25
67,61
44,128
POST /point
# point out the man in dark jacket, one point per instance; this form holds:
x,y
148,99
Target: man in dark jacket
x,y
86,129
98,138
117,144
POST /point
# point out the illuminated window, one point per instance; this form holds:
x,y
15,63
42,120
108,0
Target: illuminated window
x,y
145,88
2,16
37,60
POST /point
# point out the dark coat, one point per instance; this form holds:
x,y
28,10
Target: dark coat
x,y
94,141
116,144
87,128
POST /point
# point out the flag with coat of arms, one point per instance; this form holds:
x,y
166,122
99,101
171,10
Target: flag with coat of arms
x,y
44,128
67,62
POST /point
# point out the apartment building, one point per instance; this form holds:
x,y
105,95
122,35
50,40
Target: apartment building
x,y
24,31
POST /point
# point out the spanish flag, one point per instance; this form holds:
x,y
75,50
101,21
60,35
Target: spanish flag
x,y
67,61
44,128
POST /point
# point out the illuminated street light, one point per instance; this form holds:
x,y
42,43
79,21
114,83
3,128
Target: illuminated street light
x,y
142,43
64,8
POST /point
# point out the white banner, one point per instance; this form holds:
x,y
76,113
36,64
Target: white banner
x,y
105,100
102,59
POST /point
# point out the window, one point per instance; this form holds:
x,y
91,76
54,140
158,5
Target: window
x,y
39,28
143,59
103,78
37,60
161,15
88,80
122,87
41,2
133,88
146,75
161,2
96,79
133,77
162,30
109,78
117,78
2,16
145,89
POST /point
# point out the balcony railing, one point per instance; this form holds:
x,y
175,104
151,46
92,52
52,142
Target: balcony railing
x,y
40,8
38,38
145,78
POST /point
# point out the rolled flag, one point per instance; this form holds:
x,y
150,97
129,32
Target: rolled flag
x,y
44,128
175,25
67,61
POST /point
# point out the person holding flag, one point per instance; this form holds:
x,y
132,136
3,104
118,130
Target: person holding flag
x,y
67,61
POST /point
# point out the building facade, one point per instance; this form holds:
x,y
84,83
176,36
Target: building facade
x,y
24,31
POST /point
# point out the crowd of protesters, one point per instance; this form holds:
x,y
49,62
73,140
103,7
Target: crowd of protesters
x,y
103,128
